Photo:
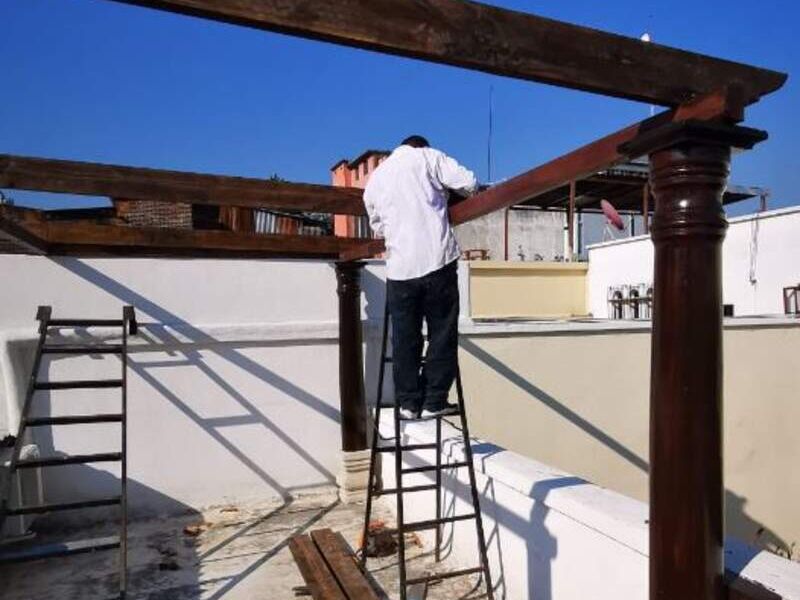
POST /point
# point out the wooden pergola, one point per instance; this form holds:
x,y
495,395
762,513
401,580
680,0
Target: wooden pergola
x,y
689,147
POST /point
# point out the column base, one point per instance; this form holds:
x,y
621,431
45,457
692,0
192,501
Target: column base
x,y
353,476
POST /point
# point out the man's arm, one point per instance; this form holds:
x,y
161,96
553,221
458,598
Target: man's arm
x,y
454,176
375,222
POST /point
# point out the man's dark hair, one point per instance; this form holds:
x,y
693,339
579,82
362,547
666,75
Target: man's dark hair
x,y
415,141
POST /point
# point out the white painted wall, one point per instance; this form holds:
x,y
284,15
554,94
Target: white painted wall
x,y
233,380
551,535
768,243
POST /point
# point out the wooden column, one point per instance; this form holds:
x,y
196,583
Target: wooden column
x,y
351,369
688,170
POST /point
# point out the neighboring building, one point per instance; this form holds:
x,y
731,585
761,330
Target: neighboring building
x,y
355,173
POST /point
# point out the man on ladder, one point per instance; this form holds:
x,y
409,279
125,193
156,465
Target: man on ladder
x,y
406,199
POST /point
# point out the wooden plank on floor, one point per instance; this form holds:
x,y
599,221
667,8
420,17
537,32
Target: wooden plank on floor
x,y
495,40
321,583
340,559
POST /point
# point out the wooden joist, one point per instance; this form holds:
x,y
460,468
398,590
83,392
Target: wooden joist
x,y
85,238
599,155
725,105
135,183
495,40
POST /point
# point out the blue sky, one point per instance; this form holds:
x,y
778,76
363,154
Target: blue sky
x,y
99,81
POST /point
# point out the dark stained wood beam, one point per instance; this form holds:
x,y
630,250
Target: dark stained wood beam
x,y
599,155
135,183
495,40
724,106
85,238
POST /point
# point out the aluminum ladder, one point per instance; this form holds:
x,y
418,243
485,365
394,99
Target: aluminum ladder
x,y
29,422
396,447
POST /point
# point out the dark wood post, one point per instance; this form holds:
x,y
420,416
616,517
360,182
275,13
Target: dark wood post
x,y
351,365
689,166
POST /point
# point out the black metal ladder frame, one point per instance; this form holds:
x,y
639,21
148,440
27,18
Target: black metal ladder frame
x,y
128,324
399,490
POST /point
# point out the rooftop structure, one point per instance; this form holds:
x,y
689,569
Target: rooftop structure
x,y
689,146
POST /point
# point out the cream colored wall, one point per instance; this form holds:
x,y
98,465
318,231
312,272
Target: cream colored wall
x,y
579,401
527,289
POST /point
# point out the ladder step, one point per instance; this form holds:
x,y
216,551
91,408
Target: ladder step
x,y
73,420
56,461
85,323
433,523
78,384
408,448
427,468
413,488
45,508
94,349
440,576
61,549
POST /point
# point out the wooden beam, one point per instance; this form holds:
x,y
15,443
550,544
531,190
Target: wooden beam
x,y
82,238
135,183
495,40
12,229
590,159
724,105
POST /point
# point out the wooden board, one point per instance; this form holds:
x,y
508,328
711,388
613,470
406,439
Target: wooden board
x,y
342,564
135,183
495,40
85,238
319,579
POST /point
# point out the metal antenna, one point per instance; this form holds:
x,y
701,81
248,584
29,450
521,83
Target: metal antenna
x,y
489,139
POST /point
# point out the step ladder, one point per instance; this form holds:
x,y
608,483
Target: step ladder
x,y
28,422
396,447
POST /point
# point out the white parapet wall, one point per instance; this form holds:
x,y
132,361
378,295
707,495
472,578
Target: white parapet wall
x,y
551,535
760,256
233,384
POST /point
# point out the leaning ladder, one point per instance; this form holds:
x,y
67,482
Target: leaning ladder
x,y
373,488
27,421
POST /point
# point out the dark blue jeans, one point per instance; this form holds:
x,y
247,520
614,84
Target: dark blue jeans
x,y
433,299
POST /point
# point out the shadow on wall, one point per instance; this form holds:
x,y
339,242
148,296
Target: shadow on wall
x,y
541,546
184,557
186,352
738,522
375,298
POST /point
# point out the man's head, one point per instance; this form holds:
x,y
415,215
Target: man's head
x,y
415,141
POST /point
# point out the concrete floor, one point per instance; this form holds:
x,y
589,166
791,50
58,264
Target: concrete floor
x,y
230,553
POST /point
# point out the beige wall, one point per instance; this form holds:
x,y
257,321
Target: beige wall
x,y
527,289
579,401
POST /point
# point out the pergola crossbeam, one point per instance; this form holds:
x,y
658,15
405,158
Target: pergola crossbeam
x,y
495,40
86,238
136,183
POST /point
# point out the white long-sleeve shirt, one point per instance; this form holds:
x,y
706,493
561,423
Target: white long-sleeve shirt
x,y
406,199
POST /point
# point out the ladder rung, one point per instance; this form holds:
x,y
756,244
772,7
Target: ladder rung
x,y
78,384
94,349
84,323
407,448
56,461
62,549
441,576
413,488
433,523
73,420
426,468
45,508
